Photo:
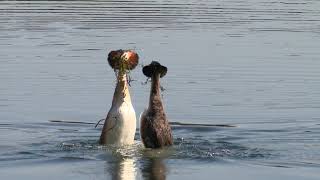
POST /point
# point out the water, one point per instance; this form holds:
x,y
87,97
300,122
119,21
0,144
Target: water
x,y
251,64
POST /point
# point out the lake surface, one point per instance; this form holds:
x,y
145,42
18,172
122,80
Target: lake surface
x,y
250,64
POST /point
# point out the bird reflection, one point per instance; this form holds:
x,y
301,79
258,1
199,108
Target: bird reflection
x,y
153,169
122,169
121,166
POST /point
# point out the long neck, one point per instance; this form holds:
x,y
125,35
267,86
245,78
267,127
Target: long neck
x,y
121,93
155,97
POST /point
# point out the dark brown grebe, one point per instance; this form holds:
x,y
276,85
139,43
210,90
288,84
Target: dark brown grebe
x,y
155,130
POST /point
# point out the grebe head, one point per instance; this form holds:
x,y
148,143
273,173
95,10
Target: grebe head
x,y
154,68
123,59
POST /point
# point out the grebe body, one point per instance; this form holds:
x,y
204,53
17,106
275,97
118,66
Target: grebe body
x,y
155,130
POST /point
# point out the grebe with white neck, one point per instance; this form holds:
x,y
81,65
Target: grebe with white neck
x,y
120,124
155,130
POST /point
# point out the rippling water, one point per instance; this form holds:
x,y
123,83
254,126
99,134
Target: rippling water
x,y
252,64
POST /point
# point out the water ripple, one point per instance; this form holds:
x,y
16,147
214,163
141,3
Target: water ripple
x,y
36,15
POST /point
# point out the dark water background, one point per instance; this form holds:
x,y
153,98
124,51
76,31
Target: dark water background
x,y
253,64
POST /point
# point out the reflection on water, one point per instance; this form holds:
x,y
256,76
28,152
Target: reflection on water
x,y
123,168
153,169
67,143
125,163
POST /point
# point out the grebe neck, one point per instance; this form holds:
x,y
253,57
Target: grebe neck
x,y
121,93
155,95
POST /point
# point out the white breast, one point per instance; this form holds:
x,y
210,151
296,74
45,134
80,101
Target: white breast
x,y
121,124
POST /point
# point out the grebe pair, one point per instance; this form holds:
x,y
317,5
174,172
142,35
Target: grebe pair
x,y
120,124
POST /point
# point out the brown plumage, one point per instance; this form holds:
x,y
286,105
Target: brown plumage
x,y
154,127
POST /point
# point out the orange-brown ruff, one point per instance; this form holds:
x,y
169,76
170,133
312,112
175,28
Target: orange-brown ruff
x,y
154,127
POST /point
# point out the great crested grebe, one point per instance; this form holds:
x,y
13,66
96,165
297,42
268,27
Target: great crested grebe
x,y
155,130
120,124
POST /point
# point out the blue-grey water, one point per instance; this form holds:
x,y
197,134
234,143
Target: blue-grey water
x,y
250,64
